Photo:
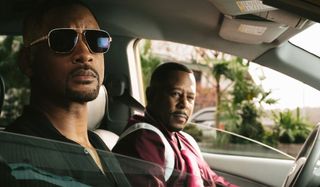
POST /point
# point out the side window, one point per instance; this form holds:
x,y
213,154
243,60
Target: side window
x,y
243,98
205,116
16,84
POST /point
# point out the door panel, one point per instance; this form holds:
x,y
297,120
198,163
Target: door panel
x,y
262,170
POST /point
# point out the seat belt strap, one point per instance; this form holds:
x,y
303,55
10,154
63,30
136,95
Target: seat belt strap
x,y
168,151
193,142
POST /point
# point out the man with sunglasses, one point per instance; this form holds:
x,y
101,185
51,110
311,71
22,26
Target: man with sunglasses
x,y
63,58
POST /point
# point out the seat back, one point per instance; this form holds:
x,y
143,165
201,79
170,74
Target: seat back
x,y
97,110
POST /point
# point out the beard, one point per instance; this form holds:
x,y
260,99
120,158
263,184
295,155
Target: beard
x,y
85,96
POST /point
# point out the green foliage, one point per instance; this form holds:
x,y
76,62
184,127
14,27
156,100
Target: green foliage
x,y
9,70
221,68
250,125
221,140
270,138
17,92
240,104
193,130
291,128
148,62
13,104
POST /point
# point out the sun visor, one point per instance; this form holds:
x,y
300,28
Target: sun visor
x,y
239,7
250,31
284,17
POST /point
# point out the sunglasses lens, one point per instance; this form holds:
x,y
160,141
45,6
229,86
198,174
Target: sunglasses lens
x,y
63,40
98,41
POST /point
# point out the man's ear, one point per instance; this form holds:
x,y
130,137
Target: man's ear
x,y
25,61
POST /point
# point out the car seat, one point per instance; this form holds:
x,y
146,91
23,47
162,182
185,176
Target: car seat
x,y
97,111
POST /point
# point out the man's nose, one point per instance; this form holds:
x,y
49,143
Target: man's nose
x,y
182,101
81,52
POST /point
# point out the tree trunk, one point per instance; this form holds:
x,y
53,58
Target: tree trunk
x,y
218,101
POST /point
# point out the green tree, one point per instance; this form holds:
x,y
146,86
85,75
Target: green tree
x,y
220,69
240,104
238,98
148,62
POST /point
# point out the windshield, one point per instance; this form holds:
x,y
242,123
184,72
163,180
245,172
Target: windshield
x,y
308,39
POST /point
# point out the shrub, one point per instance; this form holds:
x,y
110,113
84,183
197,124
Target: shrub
x,y
291,128
193,130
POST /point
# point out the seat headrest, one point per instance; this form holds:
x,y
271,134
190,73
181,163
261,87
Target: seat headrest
x,y
97,109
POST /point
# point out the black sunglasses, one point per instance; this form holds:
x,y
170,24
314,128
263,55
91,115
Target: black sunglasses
x,y
63,40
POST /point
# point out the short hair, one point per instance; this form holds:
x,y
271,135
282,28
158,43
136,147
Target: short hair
x,y
163,71
34,19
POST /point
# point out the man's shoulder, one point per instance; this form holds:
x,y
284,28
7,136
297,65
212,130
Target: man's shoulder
x,y
34,123
19,126
26,123
140,128
137,137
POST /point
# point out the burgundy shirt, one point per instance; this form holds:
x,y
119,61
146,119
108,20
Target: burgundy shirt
x,y
147,145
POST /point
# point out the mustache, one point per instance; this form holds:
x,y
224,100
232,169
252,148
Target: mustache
x,y
84,72
180,113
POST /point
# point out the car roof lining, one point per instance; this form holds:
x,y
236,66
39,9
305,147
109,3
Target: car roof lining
x,y
193,22
201,28
198,26
295,62
307,8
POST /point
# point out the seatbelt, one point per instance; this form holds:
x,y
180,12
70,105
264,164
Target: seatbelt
x,y
168,151
118,90
130,101
193,142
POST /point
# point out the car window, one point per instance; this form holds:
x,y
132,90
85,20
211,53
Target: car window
x,y
41,161
224,142
307,41
205,116
16,84
255,102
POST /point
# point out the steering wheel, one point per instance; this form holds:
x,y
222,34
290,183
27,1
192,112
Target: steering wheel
x,y
306,168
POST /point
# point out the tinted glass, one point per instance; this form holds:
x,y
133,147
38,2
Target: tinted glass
x,y
31,161
98,41
63,40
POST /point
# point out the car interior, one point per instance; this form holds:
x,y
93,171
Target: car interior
x,y
256,30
